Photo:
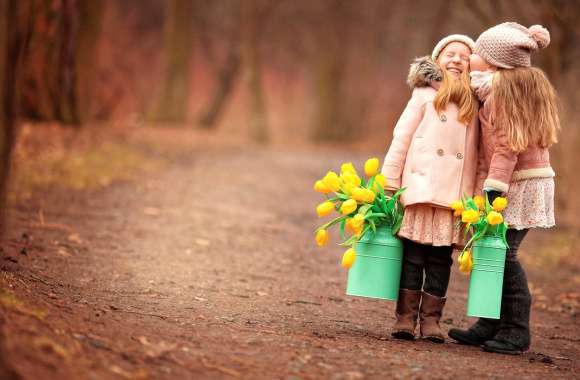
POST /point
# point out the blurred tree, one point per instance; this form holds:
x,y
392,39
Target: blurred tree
x,y
60,59
226,73
559,16
253,16
10,43
329,64
173,97
10,47
90,16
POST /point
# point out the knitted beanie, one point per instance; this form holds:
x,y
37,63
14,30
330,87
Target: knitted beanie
x,y
449,39
510,44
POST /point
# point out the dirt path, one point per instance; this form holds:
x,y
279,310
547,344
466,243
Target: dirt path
x,y
209,270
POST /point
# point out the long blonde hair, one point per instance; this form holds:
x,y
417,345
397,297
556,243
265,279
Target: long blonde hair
x,y
459,92
525,107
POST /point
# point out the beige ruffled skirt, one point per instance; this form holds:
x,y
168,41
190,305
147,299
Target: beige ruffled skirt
x,y
427,224
530,204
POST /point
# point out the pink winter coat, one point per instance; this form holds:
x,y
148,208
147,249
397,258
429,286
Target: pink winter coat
x,y
498,165
433,156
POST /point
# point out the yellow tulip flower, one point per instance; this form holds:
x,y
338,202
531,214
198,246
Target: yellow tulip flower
x,y
358,194
369,196
372,167
325,208
465,262
321,187
479,201
494,218
499,204
347,168
348,206
332,181
348,188
457,207
357,221
469,216
322,237
353,227
349,226
348,258
351,178
380,181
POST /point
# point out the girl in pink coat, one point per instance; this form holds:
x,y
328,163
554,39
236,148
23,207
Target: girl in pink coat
x,y
433,155
519,122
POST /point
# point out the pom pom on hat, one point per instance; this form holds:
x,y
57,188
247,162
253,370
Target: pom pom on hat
x,y
540,35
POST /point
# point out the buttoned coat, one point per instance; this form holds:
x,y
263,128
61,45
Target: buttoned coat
x,y
434,156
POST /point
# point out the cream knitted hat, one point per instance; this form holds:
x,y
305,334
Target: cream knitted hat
x,y
449,39
510,44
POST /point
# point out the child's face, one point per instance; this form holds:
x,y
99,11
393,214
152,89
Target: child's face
x,y
455,59
477,63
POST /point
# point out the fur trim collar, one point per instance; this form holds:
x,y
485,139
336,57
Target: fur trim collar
x,y
424,72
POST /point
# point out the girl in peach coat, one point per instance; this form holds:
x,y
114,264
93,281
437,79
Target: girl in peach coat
x,y
433,155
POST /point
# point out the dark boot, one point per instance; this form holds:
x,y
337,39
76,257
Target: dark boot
x,y
429,316
406,313
483,330
513,336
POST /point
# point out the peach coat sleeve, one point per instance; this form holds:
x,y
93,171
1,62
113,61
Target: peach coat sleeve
x,y
502,164
402,136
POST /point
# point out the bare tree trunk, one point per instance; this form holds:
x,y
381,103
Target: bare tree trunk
x,y
90,14
66,106
172,103
329,72
226,78
252,61
9,56
48,86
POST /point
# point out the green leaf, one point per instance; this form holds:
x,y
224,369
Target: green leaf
x,y
384,204
375,215
373,227
397,224
375,208
332,223
342,224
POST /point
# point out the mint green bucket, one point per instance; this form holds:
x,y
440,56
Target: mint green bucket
x,y
376,272
486,281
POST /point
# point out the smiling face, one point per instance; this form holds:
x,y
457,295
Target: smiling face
x,y
477,63
454,59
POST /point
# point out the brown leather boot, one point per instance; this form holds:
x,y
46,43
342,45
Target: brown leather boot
x,y
406,313
429,316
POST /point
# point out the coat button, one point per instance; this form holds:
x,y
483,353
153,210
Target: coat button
x,y
442,117
459,156
440,152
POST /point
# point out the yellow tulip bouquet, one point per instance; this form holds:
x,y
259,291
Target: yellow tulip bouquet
x,y
362,205
480,219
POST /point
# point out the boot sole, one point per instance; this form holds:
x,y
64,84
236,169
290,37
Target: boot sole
x,y
405,335
504,352
467,342
434,339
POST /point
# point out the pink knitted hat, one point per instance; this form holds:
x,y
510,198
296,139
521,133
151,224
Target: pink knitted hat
x,y
510,44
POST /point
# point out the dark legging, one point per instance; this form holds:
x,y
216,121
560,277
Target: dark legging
x,y
434,263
